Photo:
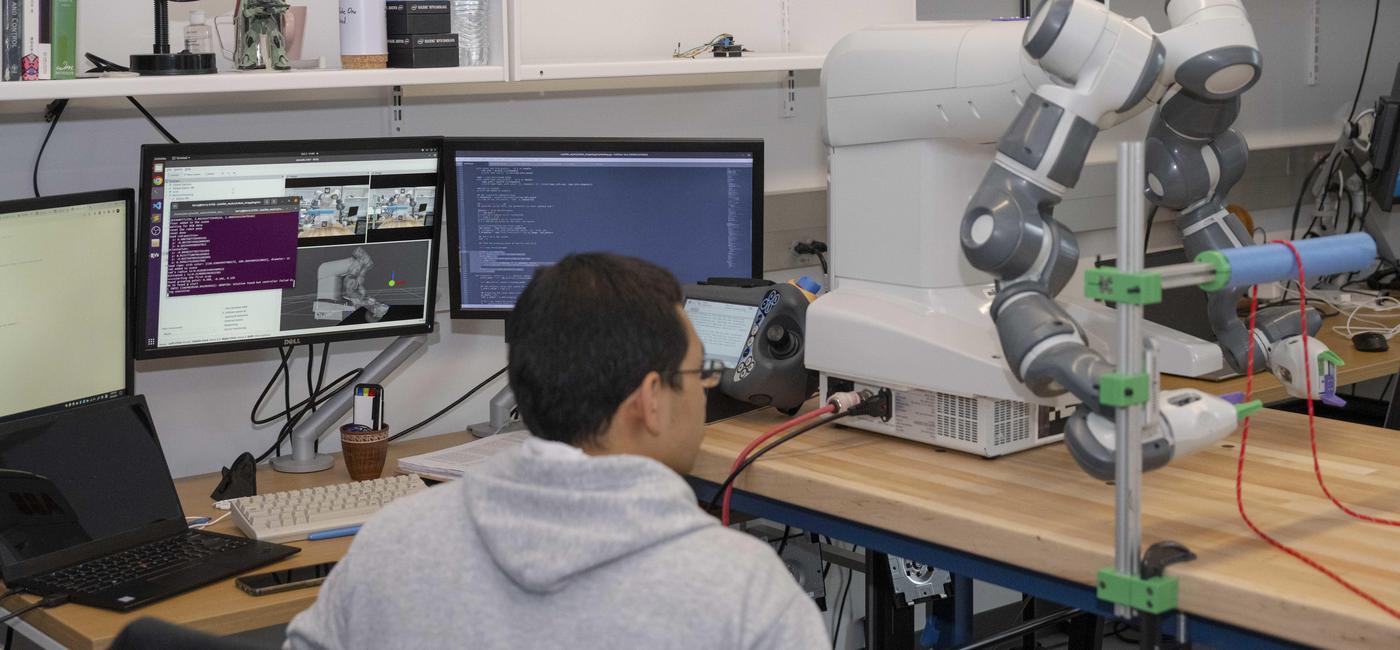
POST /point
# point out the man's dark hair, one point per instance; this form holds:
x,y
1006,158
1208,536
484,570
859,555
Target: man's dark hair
x,y
584,334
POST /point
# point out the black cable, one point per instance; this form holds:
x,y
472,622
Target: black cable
x,y
449,407
1147,232
286,396
1367,63
152,119
841,607
822,259
315,389
51,601
321,378
782,546
728,481
310,374
1298,205
52,113
311,387
320,392
257,404
327,394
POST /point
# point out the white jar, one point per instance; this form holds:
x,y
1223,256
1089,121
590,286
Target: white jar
x,y
364,36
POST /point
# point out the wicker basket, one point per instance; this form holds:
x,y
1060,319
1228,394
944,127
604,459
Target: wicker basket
x,y
364,452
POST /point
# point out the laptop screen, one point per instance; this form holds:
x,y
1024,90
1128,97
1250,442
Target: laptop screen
x,y
85,475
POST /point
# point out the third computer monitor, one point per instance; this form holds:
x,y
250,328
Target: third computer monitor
x,y
65,267
694,207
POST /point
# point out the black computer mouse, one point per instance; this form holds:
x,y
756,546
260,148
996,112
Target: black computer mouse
x,y
1370,342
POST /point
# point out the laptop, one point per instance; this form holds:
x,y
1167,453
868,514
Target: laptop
x,y
88,509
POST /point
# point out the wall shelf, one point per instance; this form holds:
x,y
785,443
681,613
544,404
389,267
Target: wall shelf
x,y
750,62
260,81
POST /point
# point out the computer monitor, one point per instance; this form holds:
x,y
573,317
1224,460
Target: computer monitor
x,y
260,244
692,206
65,272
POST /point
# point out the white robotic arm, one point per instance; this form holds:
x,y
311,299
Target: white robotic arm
x,y
1113,68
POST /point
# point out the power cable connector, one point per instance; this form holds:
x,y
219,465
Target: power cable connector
x,y
864,402
813,247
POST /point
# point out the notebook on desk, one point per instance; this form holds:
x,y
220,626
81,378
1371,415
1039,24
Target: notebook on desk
x,y
88,509
451,463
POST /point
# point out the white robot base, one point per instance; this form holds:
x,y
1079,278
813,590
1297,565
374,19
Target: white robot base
x,y
959,396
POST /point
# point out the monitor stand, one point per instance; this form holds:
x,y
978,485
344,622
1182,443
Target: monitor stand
x,y
304,457
503,416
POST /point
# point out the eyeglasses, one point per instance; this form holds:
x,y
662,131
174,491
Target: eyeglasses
x,y
710,372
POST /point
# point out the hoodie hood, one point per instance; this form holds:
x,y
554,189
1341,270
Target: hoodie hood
x,y
548,512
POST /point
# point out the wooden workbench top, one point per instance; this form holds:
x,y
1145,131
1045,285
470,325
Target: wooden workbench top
x,y
1360,366
1038,510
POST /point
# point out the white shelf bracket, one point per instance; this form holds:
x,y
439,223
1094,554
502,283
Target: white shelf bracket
x,y
788,85
393,115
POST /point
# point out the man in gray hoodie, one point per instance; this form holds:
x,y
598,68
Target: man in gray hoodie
x,y
586,536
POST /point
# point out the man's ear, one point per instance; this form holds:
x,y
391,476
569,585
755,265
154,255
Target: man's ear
x,y
653,410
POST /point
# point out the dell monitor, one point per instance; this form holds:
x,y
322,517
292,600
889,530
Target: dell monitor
x,y
694,207
261,244
65,271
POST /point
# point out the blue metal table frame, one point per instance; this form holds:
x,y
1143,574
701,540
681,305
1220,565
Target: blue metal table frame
x,y
966,567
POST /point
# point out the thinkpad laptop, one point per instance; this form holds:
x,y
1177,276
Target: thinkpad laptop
x,y
88,509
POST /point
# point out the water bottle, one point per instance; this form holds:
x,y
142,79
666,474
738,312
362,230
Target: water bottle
x,y
469,20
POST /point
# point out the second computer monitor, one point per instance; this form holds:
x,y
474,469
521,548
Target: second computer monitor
x,y
694,207
259,244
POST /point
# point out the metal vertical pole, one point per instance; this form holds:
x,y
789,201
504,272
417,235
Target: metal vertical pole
x,y
1129,421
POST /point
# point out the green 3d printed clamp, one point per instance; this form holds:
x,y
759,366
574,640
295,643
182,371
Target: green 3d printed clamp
x,y
1108,284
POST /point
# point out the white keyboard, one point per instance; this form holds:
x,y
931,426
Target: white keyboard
x,y
296,514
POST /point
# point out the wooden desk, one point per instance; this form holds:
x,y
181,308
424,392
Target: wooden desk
x,y
1360,366
1038,510
221,608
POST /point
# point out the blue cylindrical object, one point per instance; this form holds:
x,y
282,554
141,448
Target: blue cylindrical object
x,y
1250,265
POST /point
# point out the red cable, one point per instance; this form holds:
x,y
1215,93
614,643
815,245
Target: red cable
x,y
1312,427
1244,440
743,455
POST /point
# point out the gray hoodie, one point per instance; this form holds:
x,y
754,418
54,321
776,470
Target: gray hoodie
x,y
546,547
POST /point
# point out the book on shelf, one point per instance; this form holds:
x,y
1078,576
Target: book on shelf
x,y
45,34
11,39
64,39
30,61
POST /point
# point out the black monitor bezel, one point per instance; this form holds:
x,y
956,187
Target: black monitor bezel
x,y
128,196
150,152
448,174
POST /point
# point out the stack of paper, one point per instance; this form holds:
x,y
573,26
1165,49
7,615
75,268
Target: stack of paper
x,y
451,463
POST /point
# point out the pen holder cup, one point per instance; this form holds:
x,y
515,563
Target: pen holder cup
x,y
364,452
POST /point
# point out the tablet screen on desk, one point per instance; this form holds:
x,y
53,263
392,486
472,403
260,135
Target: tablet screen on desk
x,y
723,327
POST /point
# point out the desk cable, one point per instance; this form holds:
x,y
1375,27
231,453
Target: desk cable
x,y
1312,435
51,601
839,405
474,390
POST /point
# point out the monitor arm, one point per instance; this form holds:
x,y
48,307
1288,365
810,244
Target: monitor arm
x,y
1112,69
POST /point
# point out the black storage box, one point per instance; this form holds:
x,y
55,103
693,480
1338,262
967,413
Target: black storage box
x,y
418,16
423,51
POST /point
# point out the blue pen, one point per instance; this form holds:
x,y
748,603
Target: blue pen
x,y
333,533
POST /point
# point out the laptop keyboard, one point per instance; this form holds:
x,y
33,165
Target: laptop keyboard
x,y
139,563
